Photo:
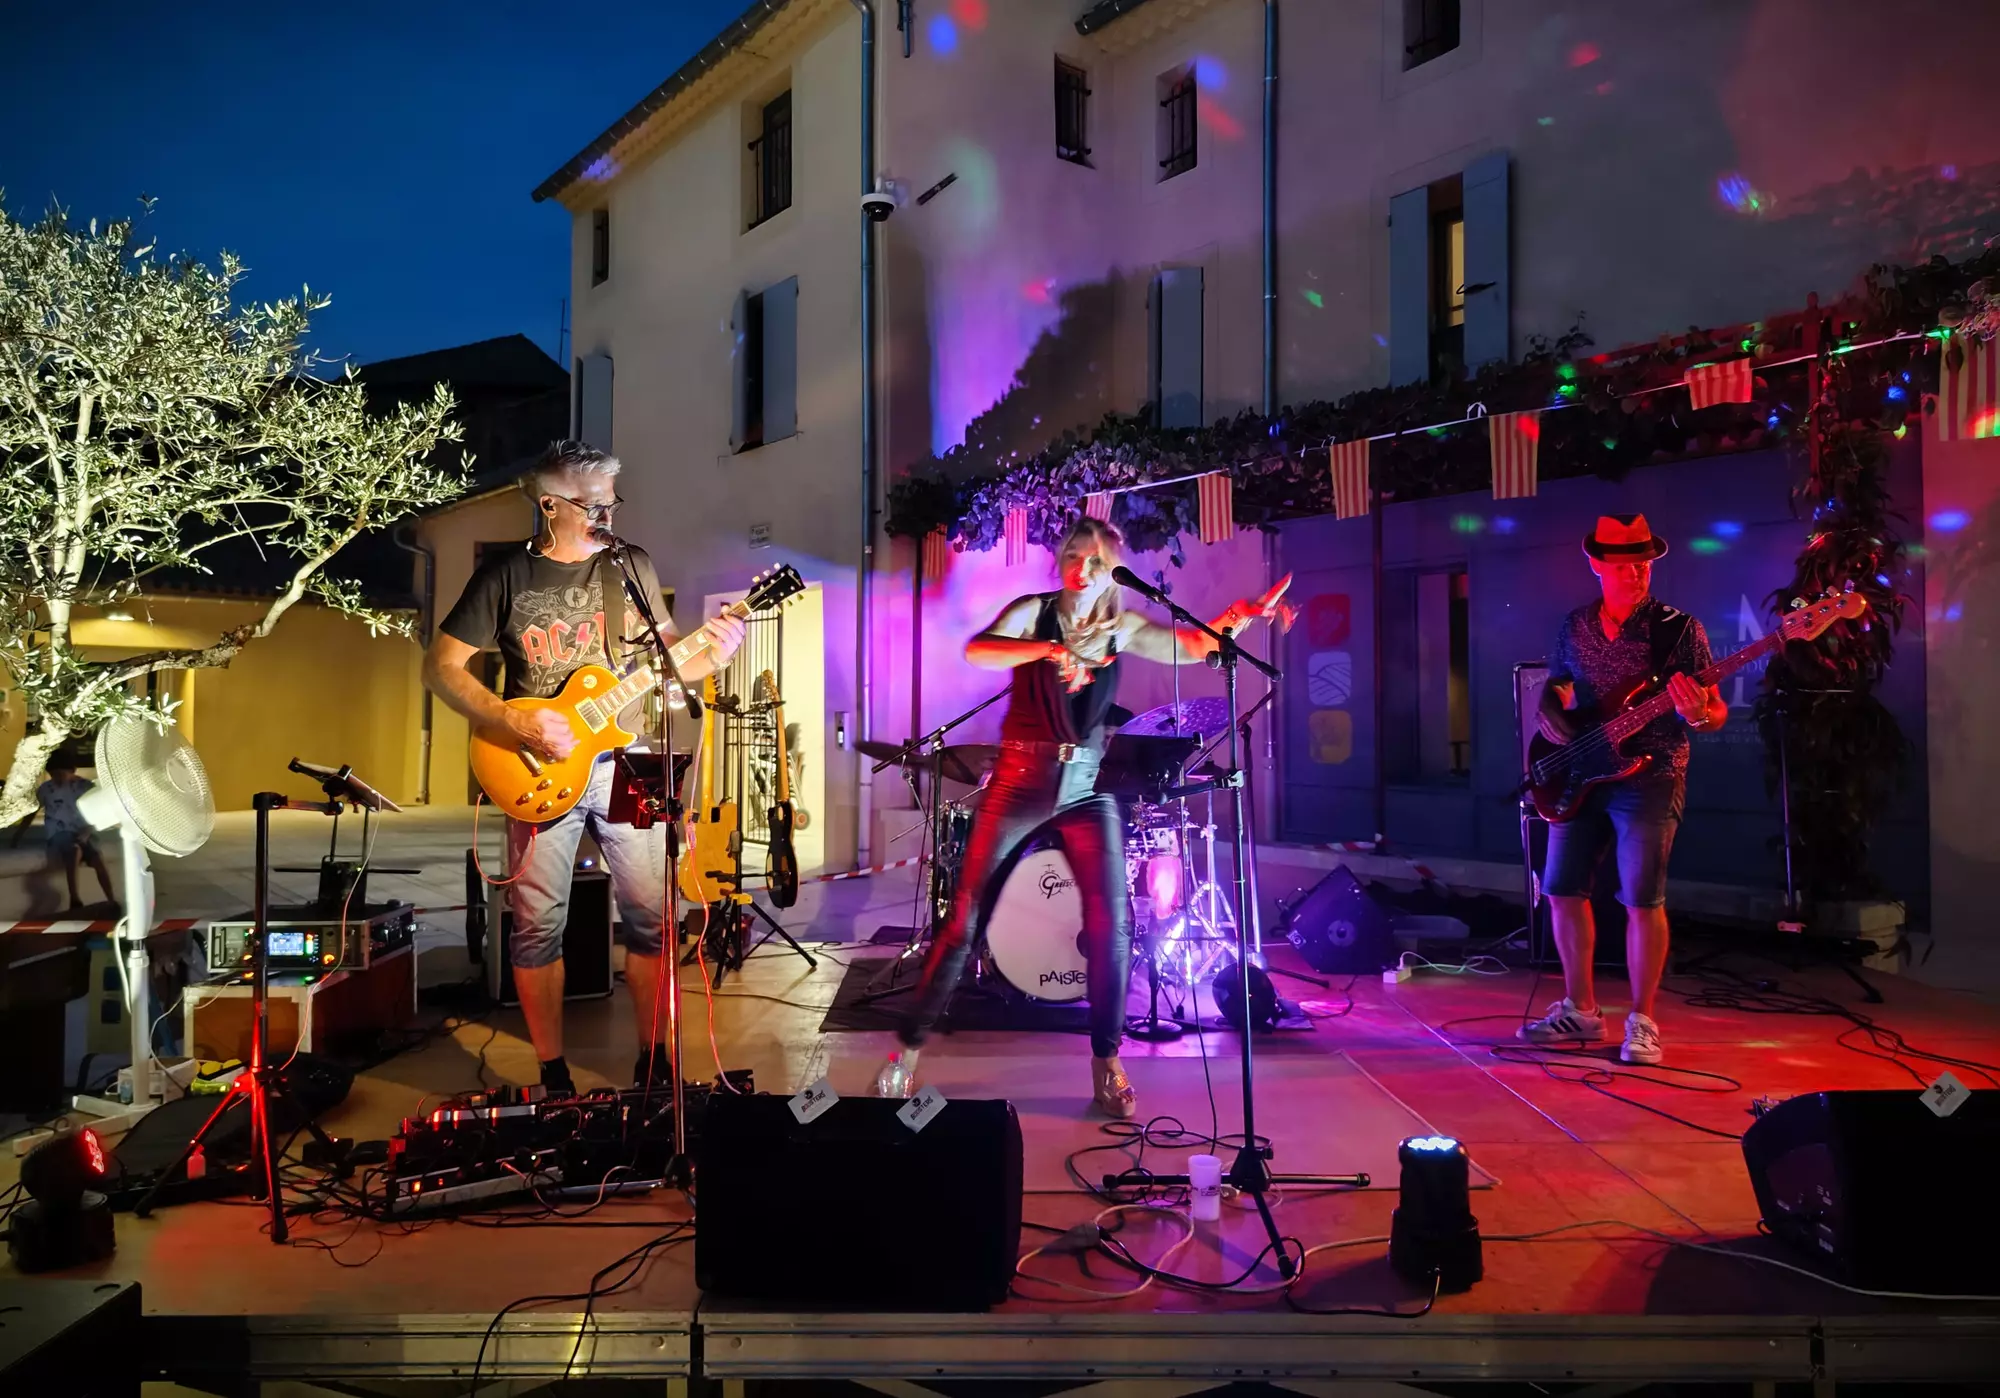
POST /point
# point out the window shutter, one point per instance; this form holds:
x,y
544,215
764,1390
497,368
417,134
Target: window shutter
x,y
1180,347
1410,287
594,402
781,360
739,347
1488,312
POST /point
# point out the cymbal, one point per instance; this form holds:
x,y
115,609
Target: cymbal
x,y
1206,717
965,763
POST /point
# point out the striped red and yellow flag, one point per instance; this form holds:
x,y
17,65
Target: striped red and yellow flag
x,y
1968,398
935,552
1215,501
1516,440
1097,505
1015,531
1349,461
1728,382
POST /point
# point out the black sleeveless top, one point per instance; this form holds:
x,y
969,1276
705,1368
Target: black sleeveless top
x,y
1041,710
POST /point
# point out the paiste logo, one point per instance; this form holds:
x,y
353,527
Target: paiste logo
x,y
1062,978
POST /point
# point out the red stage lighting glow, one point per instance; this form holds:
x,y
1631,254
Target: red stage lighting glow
x,y
1218,121
1584,54
971,13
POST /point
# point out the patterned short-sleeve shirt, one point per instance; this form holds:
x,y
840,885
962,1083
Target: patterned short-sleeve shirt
x,y
1598,665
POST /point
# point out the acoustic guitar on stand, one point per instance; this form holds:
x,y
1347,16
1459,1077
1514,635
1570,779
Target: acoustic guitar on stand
x,y
532,788
1561,775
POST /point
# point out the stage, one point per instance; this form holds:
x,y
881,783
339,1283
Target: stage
x,y
1598,1292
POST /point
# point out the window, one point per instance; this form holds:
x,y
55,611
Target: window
x,y
1430,30
767,376
1426,662
600,246
1176,138
593,400
1072,114
1447,279
771,159
1176,335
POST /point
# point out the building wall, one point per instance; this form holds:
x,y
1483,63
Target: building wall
x,y
679,258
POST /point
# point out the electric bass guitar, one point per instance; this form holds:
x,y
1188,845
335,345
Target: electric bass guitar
x,y
781,860
1561,775
532,788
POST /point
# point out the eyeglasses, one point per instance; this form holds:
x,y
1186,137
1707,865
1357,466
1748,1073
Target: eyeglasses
x,y
592,508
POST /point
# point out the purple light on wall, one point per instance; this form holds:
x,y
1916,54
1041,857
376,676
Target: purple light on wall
x,y
1736,191
943,35
1950,521
1210,73
1726,529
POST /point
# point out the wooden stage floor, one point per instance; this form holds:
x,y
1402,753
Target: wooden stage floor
x,y
1608,1188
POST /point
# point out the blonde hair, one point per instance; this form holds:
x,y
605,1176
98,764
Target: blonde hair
x,y
1103,538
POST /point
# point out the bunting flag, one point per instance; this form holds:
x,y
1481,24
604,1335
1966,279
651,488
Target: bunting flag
x,y
1098,505
1350,478
1516,440
935,550
1729,382
1968,397
1015,531
1215,499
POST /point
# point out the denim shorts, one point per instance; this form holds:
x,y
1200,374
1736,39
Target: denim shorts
x,y
1640,817
543,858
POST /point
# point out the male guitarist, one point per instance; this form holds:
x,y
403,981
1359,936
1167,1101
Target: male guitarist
x,y
1626,635
544,604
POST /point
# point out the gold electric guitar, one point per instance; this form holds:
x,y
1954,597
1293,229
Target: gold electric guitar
x,y
708,867
531,788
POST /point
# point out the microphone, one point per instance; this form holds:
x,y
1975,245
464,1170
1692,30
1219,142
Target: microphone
x,y
1126,577
599,534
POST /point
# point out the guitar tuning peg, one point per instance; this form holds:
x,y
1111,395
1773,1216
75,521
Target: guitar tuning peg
x,y
1850,586
1798,602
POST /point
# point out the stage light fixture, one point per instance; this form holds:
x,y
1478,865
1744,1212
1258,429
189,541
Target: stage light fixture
x,y
1227,988
1433,1230
64,1221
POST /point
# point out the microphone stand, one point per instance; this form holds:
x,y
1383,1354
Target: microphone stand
x,y
680,1169
1250,1173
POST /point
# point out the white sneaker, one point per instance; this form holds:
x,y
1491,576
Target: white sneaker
x,y
1642,1039
898,1075
1564,1024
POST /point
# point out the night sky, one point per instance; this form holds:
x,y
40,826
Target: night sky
x,y
380,153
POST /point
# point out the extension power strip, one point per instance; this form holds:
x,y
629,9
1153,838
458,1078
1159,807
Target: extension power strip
x,y
447,1195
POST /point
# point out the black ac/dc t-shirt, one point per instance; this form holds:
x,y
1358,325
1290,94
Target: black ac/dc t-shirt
x,y
548,618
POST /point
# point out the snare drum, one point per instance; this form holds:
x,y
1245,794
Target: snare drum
x,y
1034,937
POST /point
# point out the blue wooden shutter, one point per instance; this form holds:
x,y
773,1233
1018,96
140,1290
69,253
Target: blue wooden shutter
x,y
1180,347
781,360
594,402
1410,287
739,348
1489,310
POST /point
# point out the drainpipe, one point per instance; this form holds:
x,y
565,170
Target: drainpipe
x,y
426,611
1270,207
864,660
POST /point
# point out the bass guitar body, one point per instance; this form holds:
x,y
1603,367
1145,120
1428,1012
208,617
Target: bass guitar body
x,y
1562,775
537,789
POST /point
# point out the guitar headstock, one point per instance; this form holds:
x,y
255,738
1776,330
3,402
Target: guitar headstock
x,y
773,588
767,689
1807,620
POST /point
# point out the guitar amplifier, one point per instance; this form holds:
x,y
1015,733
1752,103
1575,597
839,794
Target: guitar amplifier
x,y
587,971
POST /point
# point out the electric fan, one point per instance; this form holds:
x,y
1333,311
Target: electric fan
x,y
152,789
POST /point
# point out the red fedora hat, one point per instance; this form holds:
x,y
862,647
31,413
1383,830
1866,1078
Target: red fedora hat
x,y
1623,539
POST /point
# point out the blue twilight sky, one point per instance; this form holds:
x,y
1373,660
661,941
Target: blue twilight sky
x,y
382,153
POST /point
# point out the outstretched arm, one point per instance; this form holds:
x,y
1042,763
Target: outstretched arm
x,y
1150,640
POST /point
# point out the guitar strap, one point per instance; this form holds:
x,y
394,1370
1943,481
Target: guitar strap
x,y
612,581
1664,652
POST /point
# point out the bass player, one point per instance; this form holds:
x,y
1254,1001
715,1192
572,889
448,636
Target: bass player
x,y
1623,636
544,605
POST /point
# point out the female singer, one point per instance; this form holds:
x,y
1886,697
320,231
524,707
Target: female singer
x,y
1063,648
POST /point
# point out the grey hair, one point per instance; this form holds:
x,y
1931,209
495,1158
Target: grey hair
x,y
566,458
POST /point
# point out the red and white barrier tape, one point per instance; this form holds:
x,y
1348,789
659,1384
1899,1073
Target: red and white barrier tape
x,y
864,873
98,928
1423,872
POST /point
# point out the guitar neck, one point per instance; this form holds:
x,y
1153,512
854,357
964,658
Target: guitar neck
x,y
1633,719
697,641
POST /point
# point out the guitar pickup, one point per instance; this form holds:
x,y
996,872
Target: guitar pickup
x,y
534,763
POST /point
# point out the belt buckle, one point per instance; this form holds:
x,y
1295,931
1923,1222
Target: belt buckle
x,y
1065,753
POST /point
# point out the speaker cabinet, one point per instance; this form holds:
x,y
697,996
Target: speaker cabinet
x,y
1340,929
586,943
855,1211
1881,1190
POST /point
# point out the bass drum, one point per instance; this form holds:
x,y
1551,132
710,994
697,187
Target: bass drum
x,y
1034,937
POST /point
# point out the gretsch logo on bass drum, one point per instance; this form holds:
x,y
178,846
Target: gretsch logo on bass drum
x,y
1061,978
1054,883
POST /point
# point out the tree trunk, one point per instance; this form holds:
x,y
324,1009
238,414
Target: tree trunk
x,y
17,798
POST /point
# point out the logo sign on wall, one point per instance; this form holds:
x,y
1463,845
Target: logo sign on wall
x,y
1329,677
1329,618
1330,733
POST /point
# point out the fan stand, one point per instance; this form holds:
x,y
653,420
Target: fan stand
x,y
258,1083
108,1115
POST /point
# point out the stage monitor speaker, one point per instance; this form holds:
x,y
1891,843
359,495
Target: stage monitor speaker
x,y
1340,929
789,1212
1530,678
1883,1191
586,943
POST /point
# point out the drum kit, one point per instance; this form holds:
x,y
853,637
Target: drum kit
x,y
1032,942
